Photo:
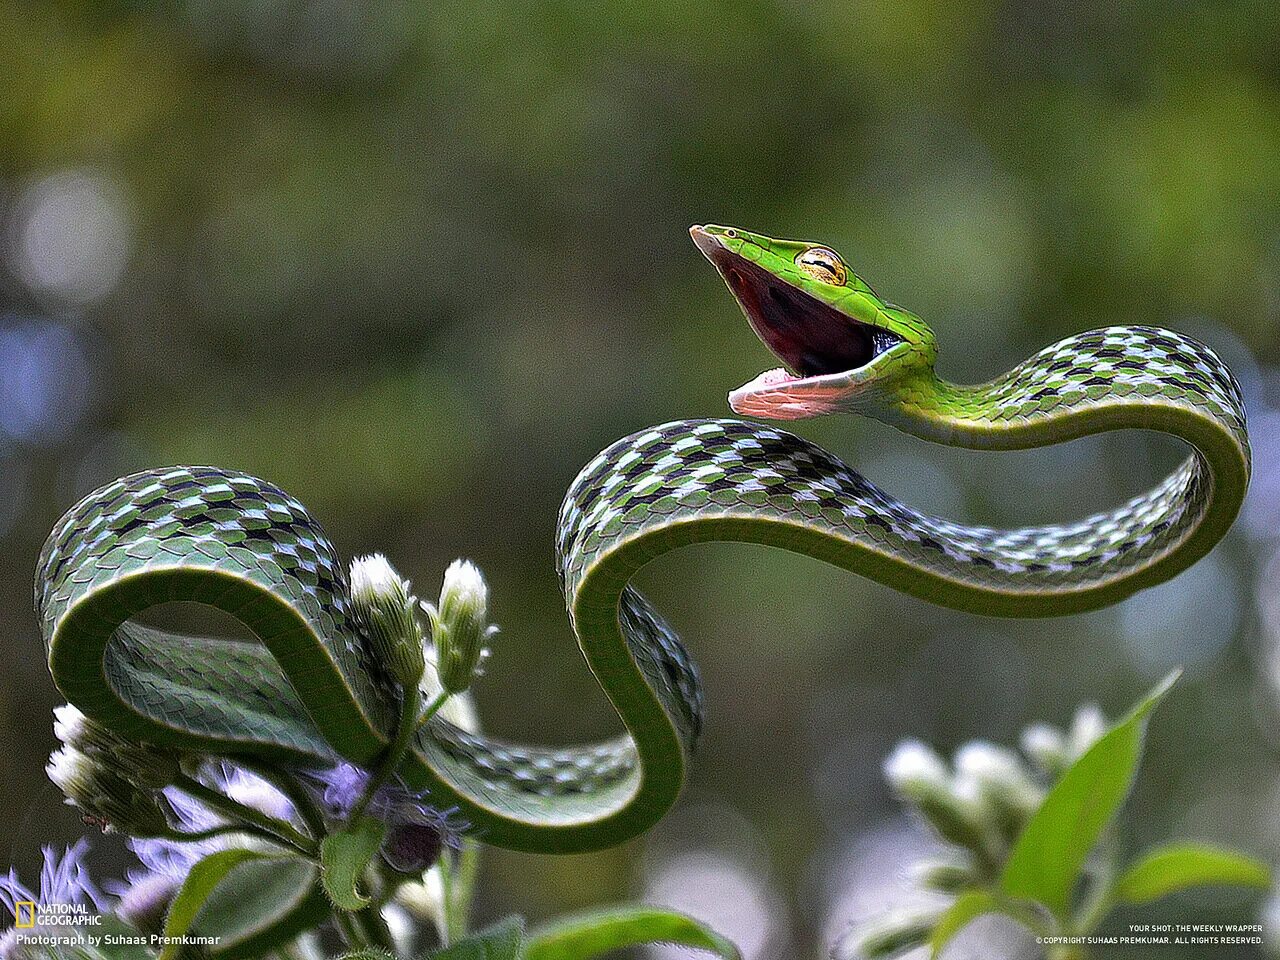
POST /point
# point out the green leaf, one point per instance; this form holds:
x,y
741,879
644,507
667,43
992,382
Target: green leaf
x,y
967,908
1176,866
1051,851
260,906
502,941
204,876
590,934
344,855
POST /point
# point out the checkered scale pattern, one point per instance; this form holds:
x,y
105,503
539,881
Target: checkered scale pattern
x,y
217,520
1113,365
732,469
653,491
727,470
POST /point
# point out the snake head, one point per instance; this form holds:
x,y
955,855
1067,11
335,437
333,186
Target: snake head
x,y
839,341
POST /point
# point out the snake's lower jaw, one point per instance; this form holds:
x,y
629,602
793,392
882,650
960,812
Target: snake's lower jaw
x,y
779,395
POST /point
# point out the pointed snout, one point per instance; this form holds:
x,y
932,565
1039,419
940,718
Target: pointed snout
x,y
712,239
704,239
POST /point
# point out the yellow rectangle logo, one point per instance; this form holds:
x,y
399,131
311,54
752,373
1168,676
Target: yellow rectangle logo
x,y
30,913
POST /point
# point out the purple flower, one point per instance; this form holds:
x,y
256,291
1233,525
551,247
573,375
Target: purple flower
x,y
164,864
63,880
168,858
341,787
417,830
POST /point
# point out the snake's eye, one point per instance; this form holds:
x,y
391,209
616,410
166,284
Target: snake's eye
x,y
823,264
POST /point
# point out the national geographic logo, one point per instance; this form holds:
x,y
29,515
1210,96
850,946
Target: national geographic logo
x,y
27,915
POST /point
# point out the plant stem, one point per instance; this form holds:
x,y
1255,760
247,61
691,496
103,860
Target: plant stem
x,y
449,928
433,708
247,816
465,888
1099,901
181,836
399,746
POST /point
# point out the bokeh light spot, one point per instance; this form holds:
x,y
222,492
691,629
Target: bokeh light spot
x,y
70,239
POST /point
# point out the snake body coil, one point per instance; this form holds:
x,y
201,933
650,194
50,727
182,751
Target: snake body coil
x,y
310,691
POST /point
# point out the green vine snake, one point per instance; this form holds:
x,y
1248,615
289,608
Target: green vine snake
x,y
310,692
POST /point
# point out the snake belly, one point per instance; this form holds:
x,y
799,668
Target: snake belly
x,y
310,692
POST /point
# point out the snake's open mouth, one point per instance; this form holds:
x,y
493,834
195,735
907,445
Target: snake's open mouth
x,y
819,344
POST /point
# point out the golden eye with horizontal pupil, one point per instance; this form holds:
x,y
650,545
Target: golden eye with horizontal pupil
x,y
823,264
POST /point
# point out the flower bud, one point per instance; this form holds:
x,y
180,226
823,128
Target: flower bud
x,y
411,848
915,769
147,766
71,772
890,935
385,609
1047,748
921,779
1003,781
945,876
146,903
1086,729
106,796
459,625
69,724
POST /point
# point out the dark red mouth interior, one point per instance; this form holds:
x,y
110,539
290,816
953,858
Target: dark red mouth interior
x,y
810,337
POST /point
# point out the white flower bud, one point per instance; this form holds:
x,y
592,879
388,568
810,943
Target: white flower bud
x,y
1001,781
105,795
1046,746
1086,729
985,761
373,579
459,625
70,770
384,607
68,723
140,763
994,766
952,806
970,798
915,768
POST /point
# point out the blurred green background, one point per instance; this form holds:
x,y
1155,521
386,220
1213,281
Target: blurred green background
x,y
418,262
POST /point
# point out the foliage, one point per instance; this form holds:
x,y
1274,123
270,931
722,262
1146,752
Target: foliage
x,y
1039,847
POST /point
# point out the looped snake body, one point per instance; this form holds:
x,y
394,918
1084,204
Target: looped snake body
x,y
309,692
